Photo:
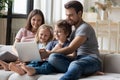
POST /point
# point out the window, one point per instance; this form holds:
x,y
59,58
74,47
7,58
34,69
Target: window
x,y
19,7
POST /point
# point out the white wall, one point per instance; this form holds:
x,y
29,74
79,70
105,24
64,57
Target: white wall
x,y
115,14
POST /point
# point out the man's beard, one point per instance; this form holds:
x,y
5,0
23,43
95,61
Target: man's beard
x,y
72,22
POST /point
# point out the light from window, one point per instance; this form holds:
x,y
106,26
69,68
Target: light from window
x,y
20,6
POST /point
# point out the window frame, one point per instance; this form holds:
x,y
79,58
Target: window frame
x,y
10,16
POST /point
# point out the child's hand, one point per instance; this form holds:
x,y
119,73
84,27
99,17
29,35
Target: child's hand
x,y
43,53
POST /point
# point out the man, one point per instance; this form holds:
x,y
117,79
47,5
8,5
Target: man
x,y
84,42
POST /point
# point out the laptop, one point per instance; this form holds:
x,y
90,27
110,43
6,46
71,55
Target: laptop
x,y
28,51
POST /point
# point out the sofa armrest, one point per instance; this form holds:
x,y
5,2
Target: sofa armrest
x,y
111,63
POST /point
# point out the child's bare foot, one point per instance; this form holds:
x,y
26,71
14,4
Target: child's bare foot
x,y
1,67
29,70
99,73
4,65
16,68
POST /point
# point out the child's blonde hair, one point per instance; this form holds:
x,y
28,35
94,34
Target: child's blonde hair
x,y
44,26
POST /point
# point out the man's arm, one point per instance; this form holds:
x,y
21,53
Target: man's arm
x,y
76,42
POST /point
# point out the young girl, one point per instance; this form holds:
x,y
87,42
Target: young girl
x,y
62,31
43,36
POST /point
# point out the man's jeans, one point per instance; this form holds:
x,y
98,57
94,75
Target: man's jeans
x,y
74,69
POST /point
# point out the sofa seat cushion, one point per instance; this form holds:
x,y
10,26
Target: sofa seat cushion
x,y
106,76
6,48
9,75
50,77
4,75
1,45
16,76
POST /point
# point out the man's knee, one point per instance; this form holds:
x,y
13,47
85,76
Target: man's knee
x,y
52,56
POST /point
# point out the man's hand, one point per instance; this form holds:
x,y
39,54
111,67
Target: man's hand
x,y
57,46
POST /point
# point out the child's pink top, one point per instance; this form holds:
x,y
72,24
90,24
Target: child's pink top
x,y
25,35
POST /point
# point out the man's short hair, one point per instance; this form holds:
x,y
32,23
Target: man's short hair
x,y
74,4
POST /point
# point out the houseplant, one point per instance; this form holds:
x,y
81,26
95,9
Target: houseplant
x,y
4,4
103,9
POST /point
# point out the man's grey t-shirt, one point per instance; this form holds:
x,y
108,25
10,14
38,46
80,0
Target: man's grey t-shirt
x,y
90,46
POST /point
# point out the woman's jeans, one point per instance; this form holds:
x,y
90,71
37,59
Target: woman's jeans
x,y
74,69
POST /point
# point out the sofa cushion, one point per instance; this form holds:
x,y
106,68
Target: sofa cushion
x,y
5,48
112,63
4,75
50,77
16,76
1,45
106,76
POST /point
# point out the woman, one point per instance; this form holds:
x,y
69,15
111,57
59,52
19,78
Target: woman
x,y
35,19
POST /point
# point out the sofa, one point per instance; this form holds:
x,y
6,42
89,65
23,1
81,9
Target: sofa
x,y
110,66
